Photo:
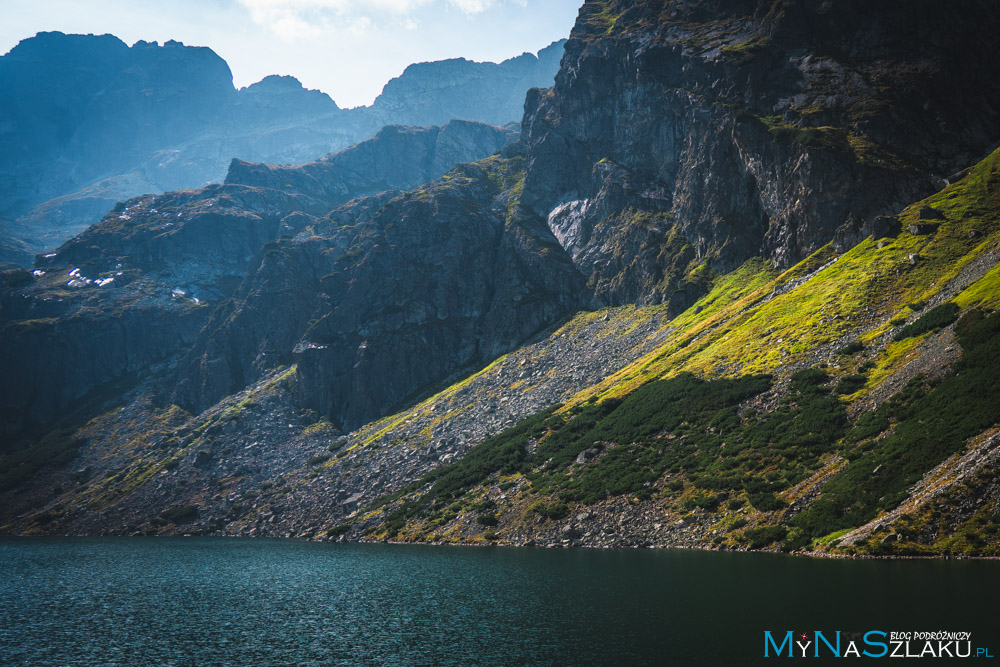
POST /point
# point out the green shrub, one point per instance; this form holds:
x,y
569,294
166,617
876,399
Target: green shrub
x,y
339,529
796,539
932,422
808,379
968,321
766,502
707,501
484,505
704,412
765,536
487,520
933,320
554,510
736,525
851,349
851,383
683,425
503,453
44,518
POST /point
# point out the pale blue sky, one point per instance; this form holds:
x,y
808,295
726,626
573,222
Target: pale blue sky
x,y
346,48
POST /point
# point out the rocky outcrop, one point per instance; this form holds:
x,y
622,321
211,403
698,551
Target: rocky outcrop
x,y
686,134
388,295
67,336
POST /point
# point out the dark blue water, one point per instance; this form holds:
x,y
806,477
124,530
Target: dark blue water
x,y
272,602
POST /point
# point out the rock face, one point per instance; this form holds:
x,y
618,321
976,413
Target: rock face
x,y
63,344
397,158
387,295
88,121
684,134
165,261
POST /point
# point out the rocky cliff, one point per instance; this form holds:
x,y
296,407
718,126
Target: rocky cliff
x,y
685,136
397,158
386,296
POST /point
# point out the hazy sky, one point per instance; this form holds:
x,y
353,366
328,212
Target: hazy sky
x,y
346,48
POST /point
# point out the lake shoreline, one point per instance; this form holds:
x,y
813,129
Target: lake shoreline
x,y
555,546
806,554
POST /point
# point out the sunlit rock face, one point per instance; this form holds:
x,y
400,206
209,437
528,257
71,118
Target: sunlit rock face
x,y
685,136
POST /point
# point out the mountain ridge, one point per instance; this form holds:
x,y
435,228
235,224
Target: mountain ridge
x,y
119,121
734,287
186,252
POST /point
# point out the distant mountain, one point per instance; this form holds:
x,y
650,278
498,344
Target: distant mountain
x,y
434,93
13,250
165,261
87,121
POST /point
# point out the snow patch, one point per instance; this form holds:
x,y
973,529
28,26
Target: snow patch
x,y
566,222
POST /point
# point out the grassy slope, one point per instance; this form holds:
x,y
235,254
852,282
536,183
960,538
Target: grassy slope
x,y
756,322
